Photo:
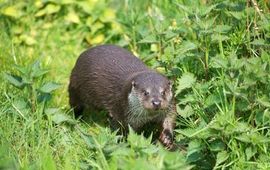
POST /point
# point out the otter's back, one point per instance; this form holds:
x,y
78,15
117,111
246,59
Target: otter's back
x,y
101,72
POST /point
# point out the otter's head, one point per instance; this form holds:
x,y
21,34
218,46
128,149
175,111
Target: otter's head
x,y
152,91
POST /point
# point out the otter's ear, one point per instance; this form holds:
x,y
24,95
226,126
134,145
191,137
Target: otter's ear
x,y
134,84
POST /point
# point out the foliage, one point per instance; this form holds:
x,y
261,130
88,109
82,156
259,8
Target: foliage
x,y
216,52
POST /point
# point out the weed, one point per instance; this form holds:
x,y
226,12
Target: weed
x,y
216,52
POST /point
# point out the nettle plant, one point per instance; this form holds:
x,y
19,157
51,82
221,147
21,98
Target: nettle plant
x,y
34,91
217,53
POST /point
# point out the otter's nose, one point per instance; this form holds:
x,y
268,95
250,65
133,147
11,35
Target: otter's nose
x,y
156,103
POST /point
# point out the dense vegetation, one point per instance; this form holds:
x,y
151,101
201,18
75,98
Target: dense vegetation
x,y
216,52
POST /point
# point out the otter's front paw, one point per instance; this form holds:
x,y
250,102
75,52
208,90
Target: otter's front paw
x,y
166,138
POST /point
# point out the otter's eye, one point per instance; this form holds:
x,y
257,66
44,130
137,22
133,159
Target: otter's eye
x,y
146,93
163,93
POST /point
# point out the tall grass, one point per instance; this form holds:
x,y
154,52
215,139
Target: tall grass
x,y
216,52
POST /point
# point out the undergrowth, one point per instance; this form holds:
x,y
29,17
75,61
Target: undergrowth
x,y
216,52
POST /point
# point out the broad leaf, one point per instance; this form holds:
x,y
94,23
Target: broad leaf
x,y
49,87
186,81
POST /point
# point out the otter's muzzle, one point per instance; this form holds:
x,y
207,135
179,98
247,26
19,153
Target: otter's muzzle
x,y
156,104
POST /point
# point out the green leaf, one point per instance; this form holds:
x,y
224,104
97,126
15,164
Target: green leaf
x,y
49,87
23,70
219,62
221,157
219,37
95,27
149,39
20,104
250,151
14,80
72,17
258,42
186,46
264,101
186,112
11,11
194,152
186,81
217,145
137,141
49,9
211,100
48,162
204,10
37,71
58,117
87,6
222,28
236,15
108,15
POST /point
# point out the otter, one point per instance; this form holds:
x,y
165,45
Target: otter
x,y
111,78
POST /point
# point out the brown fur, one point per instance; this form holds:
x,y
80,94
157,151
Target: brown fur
x,y
110,77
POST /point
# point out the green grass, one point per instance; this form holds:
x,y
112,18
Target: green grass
x,y
215,52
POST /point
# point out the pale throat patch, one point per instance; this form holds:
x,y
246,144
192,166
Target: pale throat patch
x,y
137,115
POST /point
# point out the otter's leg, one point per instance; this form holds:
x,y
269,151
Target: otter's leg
x,y
166,135
75,103
118,125
78,110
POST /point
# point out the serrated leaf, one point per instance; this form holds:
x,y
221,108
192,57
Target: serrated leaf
x,y
217,145
236,15
137,141
194,156
58,116
187,46
186,81
194,151
264,101
250,151
21,69
211,100
14,80
149,39
49,87
40,73
219,37
61,118
186,112
222,28
36,71
259,42
218,62
221,157
20,104
170,34
44,97
204,10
